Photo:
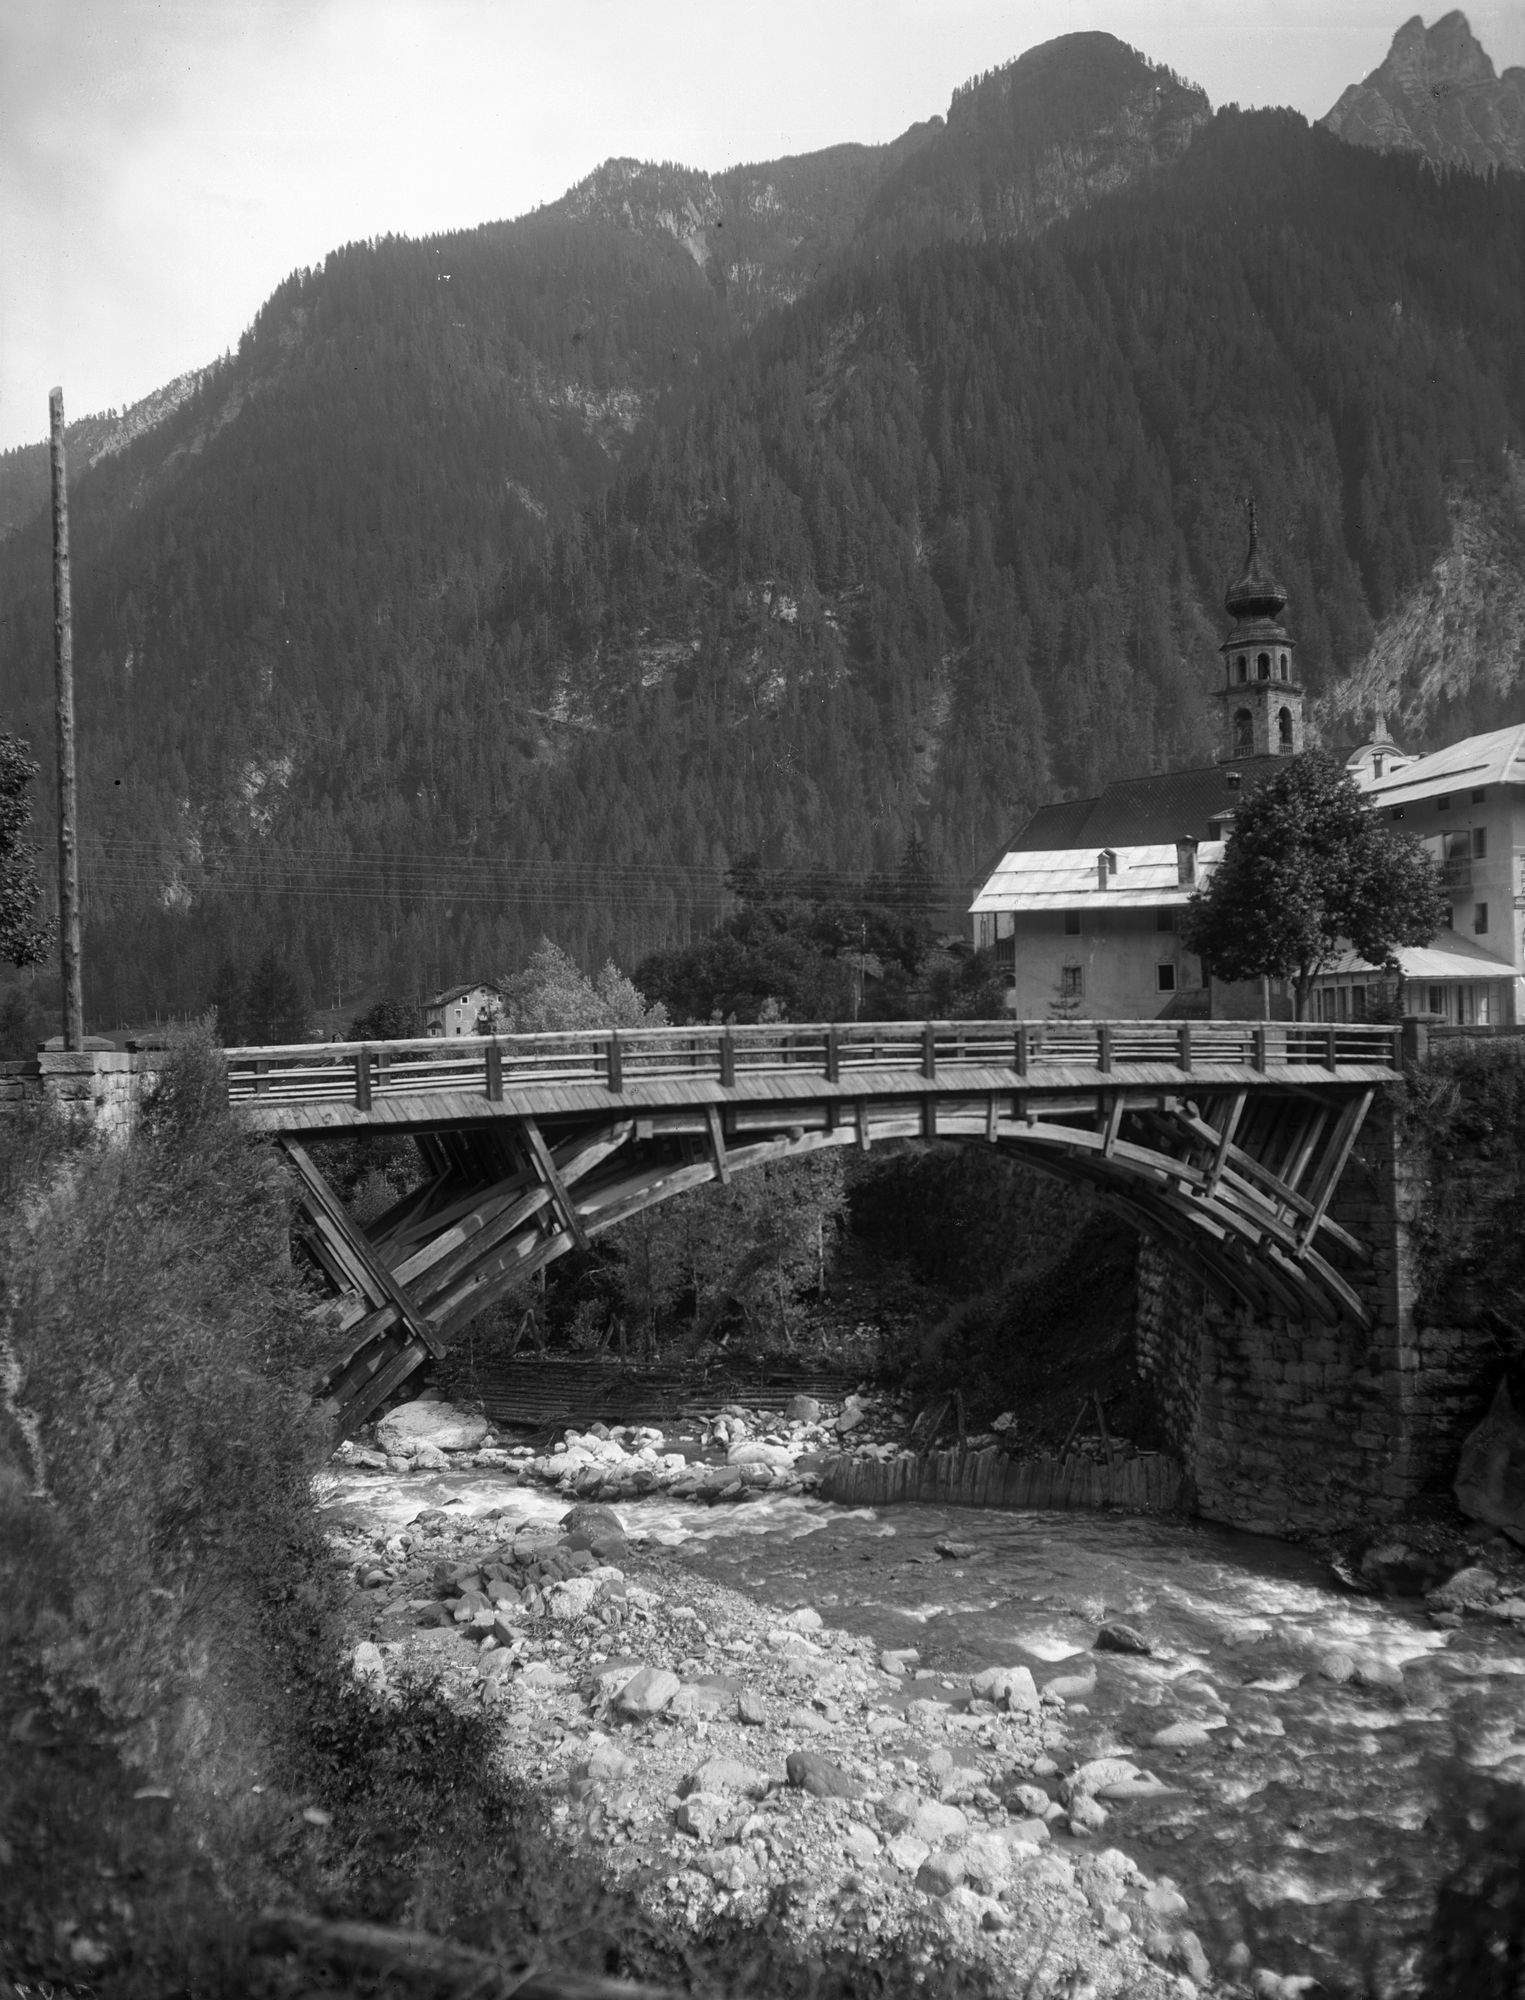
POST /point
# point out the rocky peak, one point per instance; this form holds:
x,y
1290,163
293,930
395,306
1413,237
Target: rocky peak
x,y
1436,93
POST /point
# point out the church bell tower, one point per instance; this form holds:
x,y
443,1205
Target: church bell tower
x,y
1261,695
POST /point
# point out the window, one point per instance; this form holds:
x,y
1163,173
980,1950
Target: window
x,y
1286,671
1436,997
1479,843
1165,978
1263,666
986,930
1396,813
1479,918
1376,769
1072,923
1215,829
1072,982
1480,795
1165,919
1284,729
1443,803
1244,733
1242,667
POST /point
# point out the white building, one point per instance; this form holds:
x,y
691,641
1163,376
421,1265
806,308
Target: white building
x,y
464,1010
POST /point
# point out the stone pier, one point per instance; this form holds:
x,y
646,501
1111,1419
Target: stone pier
x,y
1288,1427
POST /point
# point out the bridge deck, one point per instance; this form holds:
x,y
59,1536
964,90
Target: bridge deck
x,y
430,1084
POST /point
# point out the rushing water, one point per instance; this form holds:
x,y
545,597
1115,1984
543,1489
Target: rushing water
x,y
1303,1824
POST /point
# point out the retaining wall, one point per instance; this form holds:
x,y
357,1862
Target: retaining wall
x,y
1147,1482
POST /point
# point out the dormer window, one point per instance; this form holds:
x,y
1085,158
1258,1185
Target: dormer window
x,y
1376,765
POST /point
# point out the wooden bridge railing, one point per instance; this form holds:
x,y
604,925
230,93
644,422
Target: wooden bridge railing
x,y
359,1073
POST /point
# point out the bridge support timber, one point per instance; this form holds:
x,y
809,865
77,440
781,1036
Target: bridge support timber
x,y
1225,1141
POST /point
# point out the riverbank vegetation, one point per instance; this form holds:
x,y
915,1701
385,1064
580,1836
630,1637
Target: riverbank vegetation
x,y
185,1745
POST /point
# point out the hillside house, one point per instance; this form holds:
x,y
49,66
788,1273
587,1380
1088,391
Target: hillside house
x,y
464,1010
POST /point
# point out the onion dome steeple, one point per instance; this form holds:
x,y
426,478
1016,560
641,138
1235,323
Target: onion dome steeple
x,y
1256,594
1262,697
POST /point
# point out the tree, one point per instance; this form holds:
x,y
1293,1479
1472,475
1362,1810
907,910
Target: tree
x,y
387,1021
1310,873
551,992
275,1004
228,1001
24,940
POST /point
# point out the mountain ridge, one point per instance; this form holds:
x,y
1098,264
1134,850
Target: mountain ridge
x,y
1436,93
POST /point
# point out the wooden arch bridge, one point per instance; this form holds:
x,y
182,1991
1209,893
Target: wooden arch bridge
x,y
1227,1139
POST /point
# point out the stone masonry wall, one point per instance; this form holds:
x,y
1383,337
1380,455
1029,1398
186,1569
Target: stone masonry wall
x,y
103,1086
1288,1428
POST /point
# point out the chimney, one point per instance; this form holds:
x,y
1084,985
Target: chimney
x,y
1186,862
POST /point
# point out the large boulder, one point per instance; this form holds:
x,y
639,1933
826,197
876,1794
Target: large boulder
x,y
1490,1475
411,1426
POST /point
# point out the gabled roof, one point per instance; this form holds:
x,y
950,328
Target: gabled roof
x,y
1066,878
1133,812
1496,758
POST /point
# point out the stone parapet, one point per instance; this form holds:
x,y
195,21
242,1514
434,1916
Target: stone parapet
x,y
105,1088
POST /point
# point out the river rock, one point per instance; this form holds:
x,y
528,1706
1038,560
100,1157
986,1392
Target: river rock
x,y
988,1860
803,1410
606,1763
1116,1637
853,1414
937,1824
751,1708
428,1458
574,1597
1182,1736
647,1692
907,1852
1490,1473
801,1619
810,1772
1086,1815
721,1775
1336,1666
754,1452
702,1813
1369,1671
940,1872
367,1664
1468,1590
441,1425
1009,1687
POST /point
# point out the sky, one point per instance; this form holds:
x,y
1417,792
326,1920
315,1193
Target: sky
x,y
164,164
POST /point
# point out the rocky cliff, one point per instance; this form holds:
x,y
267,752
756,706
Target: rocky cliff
x,y
1436,93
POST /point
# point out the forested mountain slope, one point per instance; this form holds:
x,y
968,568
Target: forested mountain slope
x,y
526,579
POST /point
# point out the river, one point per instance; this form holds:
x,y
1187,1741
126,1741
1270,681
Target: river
x,y
1302,1825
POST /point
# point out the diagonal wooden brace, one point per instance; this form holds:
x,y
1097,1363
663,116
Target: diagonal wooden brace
x,y
377,1281
549,1176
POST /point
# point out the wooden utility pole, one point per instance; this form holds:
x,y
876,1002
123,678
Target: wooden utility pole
x,y
63,690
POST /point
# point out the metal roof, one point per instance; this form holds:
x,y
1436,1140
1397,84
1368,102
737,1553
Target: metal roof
x,y
1066,878
1496,758
1455,958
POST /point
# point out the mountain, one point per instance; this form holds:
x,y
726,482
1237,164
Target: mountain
x,y
527,579
25,474
1078,118
1436,94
